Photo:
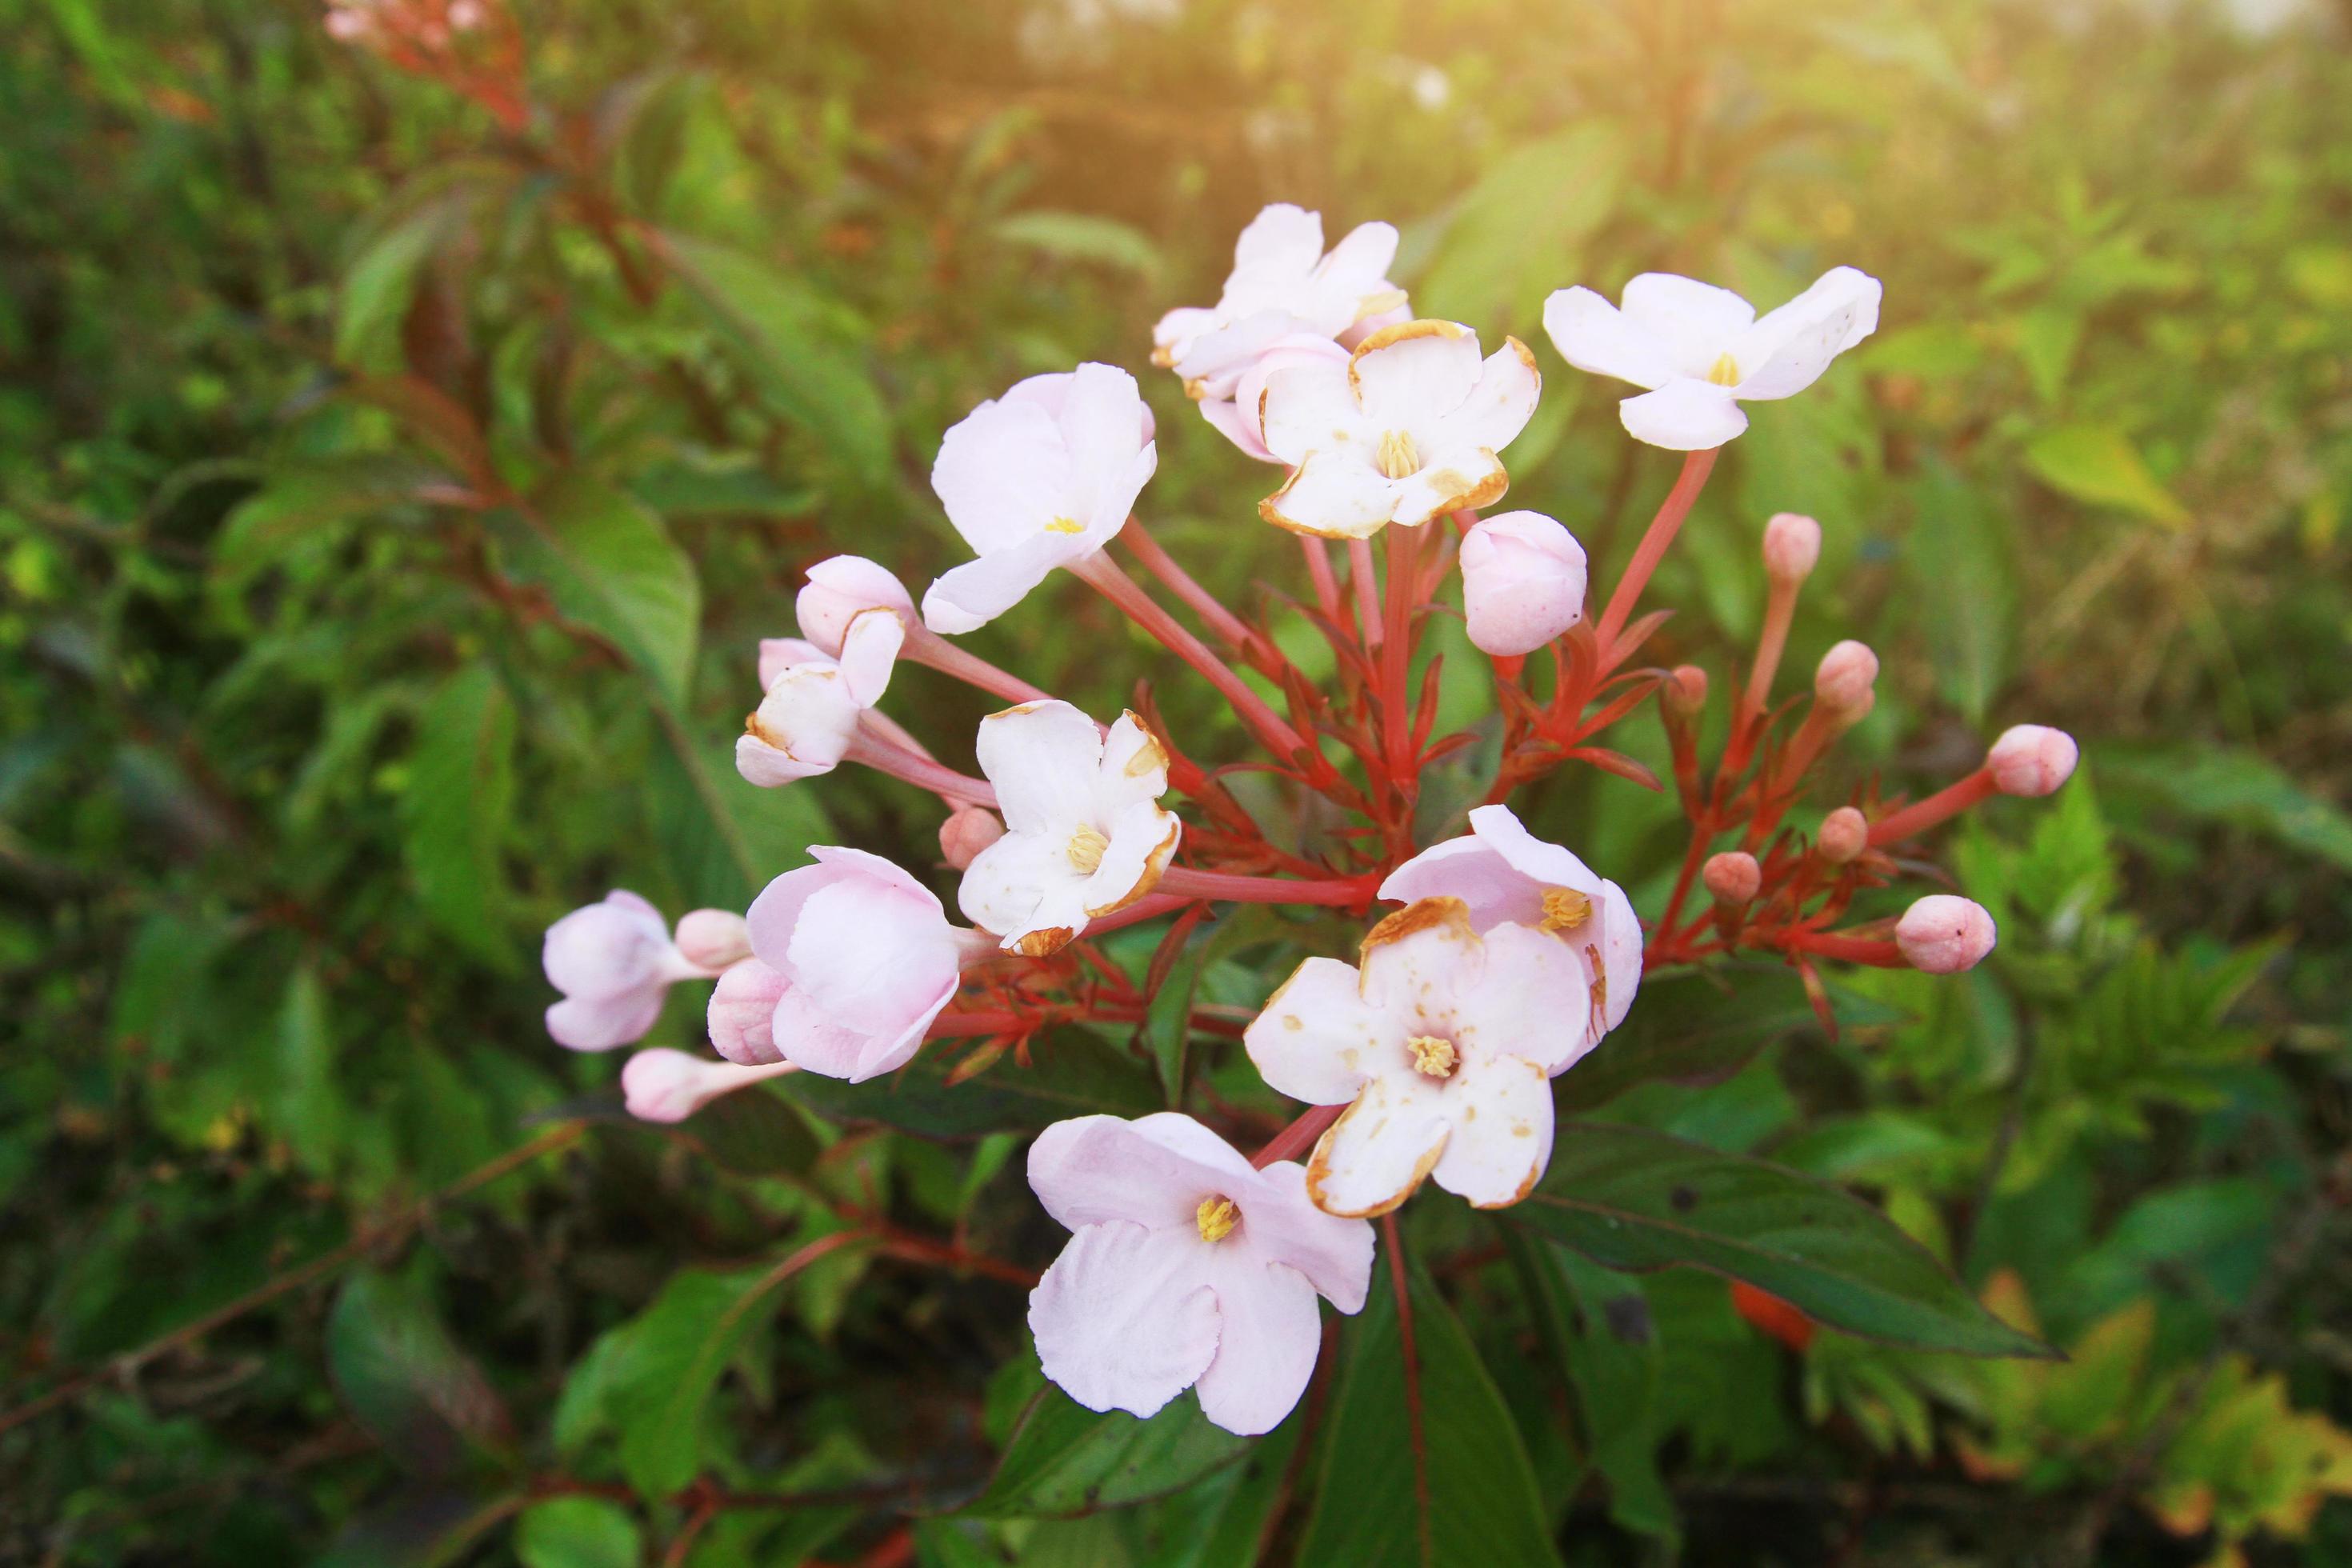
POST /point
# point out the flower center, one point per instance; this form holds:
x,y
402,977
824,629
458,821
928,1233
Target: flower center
x,y
1725,372
1397,457
1086,846
1432,1055
1563,908
1216,1217
1065,525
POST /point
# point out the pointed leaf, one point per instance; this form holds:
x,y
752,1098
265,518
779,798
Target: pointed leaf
x,y
1064,1459
609,565
455,812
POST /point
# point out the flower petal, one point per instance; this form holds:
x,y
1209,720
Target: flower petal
x,y
1334,494
1134,768
1592,334
1787,350
1450,479
868,650
1358,266
1043,758
1142,841
967,597
1697,322
1683,416
1502,1116
582,1023
1308,405
779,654
1125,1319
1102,410
1025,889
1152,1172
1315,1039
1416,960
741,1015
1500,406
1283,238
1411,376
1379,1148
1269,1333
1532,1000
1621,955
1001,472
1282,1224
870,957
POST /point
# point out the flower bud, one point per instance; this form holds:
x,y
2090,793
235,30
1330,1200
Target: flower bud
x,y
1522,582
670,1086
967,831
1685,691
800,729
2031,760
614,963
1846,833
1792,543
1733,876
713,938
1843,683
1943,934
778,654
838,591
742,1013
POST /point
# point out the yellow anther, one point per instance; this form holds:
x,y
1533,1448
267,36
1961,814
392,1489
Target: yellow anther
x,y
1563,908
1397,457
1086,847
1216,1217
1065,525
1723,372
1432,1055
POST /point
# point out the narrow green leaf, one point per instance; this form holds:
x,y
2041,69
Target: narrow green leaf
x,y
1957,551
309,1110
405,1378
1082,237
610,564
2098,464
453,814
1064,1459
1072,1073
2227,785
1630,1198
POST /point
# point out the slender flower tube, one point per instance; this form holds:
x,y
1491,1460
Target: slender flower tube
x,y
670,1086
614,962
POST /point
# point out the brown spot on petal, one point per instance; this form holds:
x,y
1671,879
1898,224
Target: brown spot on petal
x,y
1155,865
1151,754
1526,355
1424,914
765,736
1319,1168
1270,509
1041,943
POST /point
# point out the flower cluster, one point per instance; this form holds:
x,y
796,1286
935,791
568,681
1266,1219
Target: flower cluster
x,y
1494,959
471,47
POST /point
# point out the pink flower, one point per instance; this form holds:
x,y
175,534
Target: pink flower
x,y
1185,1268
1041,477
1944,934
614,962
1281,285
713,938
1085,834
859,958
1844,683
837,592
967,831
1503,872
1440,1046
804,724
1522,582
670,1086
1702,351
1408,429
2031,760
1237,418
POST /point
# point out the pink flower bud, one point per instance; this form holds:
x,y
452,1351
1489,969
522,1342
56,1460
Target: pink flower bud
x,y
614,963
742,1013
1846,833
349,27
1792,543
1522,582
1843,683
670,1086
966,832
2031,760
1685,691
838,591
713,938
1943,934
1733,876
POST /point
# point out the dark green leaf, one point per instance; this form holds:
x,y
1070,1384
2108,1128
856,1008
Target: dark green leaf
x,y
402,1377
1062,1460
2227,785
455,812
577,1533
754,1133
610,564
1073,1074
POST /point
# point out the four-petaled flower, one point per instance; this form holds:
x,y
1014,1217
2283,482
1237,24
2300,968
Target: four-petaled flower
x,y
1703,351
1442,1046
1282,284
1186,1268
1042,477
805,723
1407,429
1083,832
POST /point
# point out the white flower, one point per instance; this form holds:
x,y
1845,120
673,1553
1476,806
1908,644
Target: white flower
x,y
1703,351
1084,835
1041,477
804,725
1406,429
1281,283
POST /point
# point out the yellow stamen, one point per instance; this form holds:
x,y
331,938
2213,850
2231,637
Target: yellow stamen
x,y
1065,525
1397,457
1432,1055
1564,907
1086,847
1725,372
1216,1217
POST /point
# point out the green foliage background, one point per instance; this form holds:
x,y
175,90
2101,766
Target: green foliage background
x,y
389,505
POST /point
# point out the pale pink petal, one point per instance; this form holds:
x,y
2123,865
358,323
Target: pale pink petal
x,y
1308,405
870,957
669,1085
1621,955
1269,1333
1051,392
1408,378
967,597
1697,322
1471,870
1416,960
1142,841
771,767
1502,1119
1334,494
1282,1224
583,1024
1523,582
1225,415
1101,412
1683,416
780,654
777,911
1153,1171
1379,1148
1592,335
1134,768
807,1038
741,1016
1213,364
1532,1000
868,650
1315,1039
1177,328
1114,503
1001,472
1358,266
1788,349
1449,479
809,715
711,940
605,950
1500,406
838,591
1125,1319
1283,238
1043,758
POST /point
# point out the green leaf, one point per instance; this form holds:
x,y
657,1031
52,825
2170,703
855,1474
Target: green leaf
x,y
1073,1074
2098,464
380,284
610,564
2236,786
1082,237
1064,1459
1238,1504
1630,1198
454,811
752,1132
1524,227
1701,1026
1483,1506
299,504
577,1533
1958,551
404,1379
800,345
309,1111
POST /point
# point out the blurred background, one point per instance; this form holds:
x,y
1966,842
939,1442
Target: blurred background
x,y
400,455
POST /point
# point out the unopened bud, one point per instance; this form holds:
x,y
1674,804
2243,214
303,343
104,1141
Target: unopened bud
x,y
1846,833
1685,691
742,1013
670,1086
1792,543
1522,583
840,589
967,831
713,938
2031,760
1733,876
1843,683
1944,933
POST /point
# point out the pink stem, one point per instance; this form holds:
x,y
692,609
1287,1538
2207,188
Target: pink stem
x,y
1922,815
955,788
926,647
1298,1136
1655,540
1205,604
1779,609
1318,573
1136,913
1367,595
1103,574
1228,887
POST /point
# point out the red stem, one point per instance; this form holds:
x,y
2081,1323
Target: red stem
x,y
1655,540
1922,815
1875,951
921,772
1205,604
1273,732
1234,887
1396,656
1368,596
1299,1136
1318,571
